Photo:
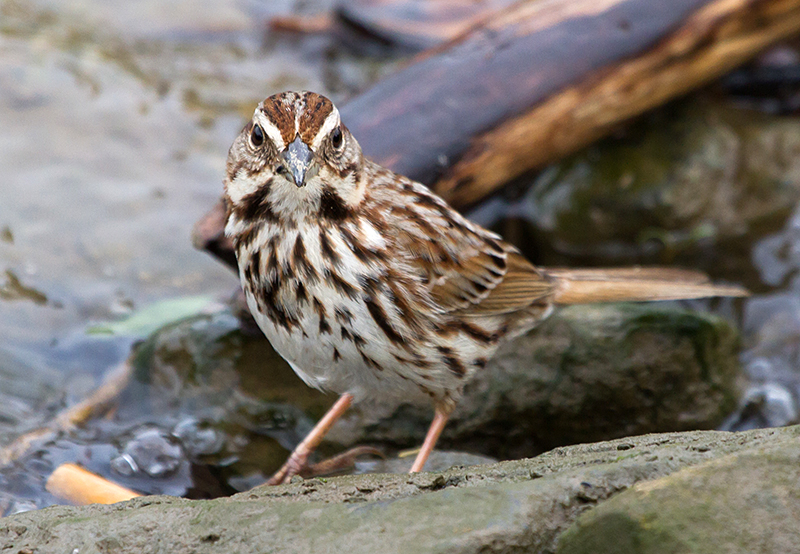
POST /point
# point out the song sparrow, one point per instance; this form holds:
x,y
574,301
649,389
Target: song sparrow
x,y
370,285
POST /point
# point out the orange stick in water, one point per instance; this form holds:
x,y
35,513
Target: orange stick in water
x,y
78,486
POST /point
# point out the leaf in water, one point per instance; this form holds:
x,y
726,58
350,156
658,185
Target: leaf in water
x,y
13,289
145,321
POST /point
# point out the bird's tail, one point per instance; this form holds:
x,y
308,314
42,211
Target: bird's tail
x,y
587,286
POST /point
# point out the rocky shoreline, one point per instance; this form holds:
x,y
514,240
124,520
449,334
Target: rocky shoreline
x,y
701,491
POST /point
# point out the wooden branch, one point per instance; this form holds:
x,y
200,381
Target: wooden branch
x,y
79,486
542,79
413,24
100,401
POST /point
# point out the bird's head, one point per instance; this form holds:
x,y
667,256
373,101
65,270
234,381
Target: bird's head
x,y
294,158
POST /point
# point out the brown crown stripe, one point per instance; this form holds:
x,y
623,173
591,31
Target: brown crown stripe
x,y
317,109
280,110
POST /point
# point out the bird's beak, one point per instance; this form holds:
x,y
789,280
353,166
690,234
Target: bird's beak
x,y
298,158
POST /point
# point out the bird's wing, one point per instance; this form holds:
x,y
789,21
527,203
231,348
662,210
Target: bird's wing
x,y
465,267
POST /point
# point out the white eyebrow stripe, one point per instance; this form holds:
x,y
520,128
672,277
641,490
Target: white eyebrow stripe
x,y
327,126
270,129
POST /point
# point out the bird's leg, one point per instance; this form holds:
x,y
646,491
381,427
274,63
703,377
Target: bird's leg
x,y
438,423
299,456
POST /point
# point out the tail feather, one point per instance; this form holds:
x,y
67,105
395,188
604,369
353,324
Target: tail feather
x,y
587,286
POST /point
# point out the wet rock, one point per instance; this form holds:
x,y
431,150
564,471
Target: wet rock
x,y
439,460
744,502
525,505
694,183
587,373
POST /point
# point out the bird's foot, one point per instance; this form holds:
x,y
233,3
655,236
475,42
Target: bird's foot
x,y
297,464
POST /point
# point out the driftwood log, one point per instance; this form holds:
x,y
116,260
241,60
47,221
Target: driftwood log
x,y
411,25
540,79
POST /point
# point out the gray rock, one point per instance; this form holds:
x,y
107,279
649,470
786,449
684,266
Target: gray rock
x,y
744,502
518,506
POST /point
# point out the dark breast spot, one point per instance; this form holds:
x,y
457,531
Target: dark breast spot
x,y
255,205
302,296
332,207
379,316
452,362
340,284
326,248
369,362
301,263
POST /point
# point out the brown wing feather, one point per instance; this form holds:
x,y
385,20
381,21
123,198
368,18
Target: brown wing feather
x,y
468,269
521,286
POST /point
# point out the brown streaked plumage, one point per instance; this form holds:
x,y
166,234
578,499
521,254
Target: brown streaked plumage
x,y
370,285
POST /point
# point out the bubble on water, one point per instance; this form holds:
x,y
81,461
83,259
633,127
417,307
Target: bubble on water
x,y
124,464
198,437
150,451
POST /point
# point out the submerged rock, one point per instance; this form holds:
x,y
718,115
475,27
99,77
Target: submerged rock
x,y
524,505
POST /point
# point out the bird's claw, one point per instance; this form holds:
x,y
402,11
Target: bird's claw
x,y
297,464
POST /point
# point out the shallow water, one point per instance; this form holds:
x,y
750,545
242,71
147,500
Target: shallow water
x,y
115,119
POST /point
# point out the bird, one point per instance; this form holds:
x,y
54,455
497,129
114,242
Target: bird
x,y
373,287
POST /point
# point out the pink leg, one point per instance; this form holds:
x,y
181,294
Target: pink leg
x,y
437,425
298,458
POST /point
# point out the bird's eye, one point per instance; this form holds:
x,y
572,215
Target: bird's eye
x,y
257,135
336,138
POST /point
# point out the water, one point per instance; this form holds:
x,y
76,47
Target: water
x,y
115,119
